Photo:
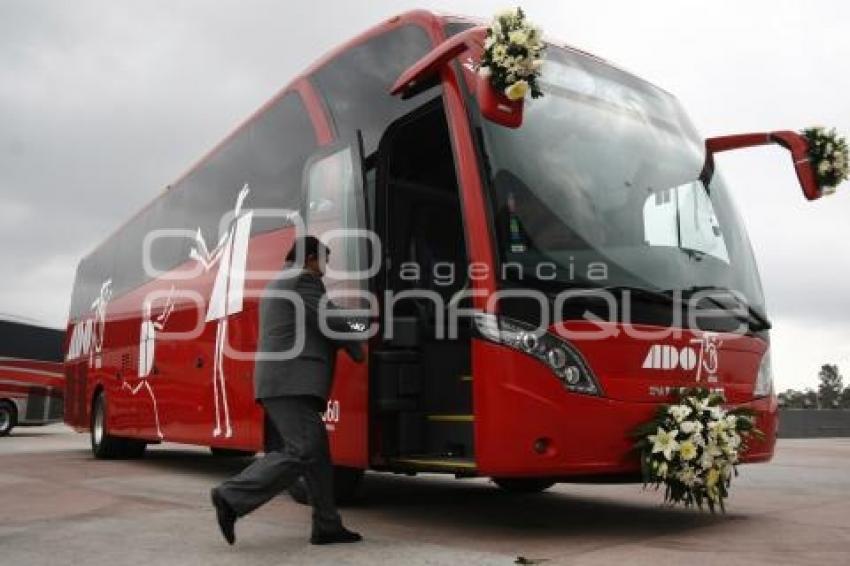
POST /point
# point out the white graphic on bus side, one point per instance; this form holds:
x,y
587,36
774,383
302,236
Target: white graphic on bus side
x,y
226,298
87,335
147,351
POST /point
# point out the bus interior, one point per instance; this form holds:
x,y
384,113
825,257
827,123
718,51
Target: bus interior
x,y
421,380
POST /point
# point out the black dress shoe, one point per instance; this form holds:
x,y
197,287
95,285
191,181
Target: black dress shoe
x,y
332,537
226,516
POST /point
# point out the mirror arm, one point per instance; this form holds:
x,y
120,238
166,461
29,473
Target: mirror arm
x,y
431,63
792,141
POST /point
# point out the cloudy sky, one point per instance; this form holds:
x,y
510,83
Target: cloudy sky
x,y
104,103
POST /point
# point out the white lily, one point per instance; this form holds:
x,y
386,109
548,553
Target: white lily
x,y
665,442
690,427
679,412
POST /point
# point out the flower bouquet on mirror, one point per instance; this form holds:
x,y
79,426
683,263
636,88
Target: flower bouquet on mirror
x,y
829,158
692,448
512,58
509,67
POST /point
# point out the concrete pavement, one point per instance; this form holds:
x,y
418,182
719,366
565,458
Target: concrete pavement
x,y
59,506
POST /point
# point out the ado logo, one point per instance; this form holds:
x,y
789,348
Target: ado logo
x,y
664,356
702,356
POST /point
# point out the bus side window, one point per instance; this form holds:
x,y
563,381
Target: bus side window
x,y
334,209
355,85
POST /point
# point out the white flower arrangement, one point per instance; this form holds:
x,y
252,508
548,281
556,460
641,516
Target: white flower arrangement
x,y
828,155
512,58
693,448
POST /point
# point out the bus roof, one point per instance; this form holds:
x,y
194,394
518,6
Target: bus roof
x,y
431,21
423,17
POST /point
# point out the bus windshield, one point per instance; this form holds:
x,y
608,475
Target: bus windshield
x,y
601,187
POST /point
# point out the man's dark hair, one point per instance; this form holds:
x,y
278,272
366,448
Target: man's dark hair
x,y
311,246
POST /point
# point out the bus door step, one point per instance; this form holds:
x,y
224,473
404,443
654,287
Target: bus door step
x,y
434,463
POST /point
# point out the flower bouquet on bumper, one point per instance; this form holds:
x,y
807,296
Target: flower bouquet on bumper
x,y
693,448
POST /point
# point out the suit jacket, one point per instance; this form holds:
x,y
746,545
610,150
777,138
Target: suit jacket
x,y
310,372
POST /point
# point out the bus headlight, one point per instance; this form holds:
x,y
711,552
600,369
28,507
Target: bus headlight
x,y
558,355
557,358
764,380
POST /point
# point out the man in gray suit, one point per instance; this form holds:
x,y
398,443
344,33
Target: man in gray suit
x,y
294,394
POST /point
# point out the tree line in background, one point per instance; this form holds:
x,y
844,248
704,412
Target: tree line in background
x,y
831,393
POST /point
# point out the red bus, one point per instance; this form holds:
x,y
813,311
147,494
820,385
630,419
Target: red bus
x,y
31,377
538,288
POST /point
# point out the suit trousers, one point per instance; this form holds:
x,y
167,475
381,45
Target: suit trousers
x,y
302,451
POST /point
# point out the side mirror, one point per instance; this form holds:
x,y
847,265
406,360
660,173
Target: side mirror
x,y
796,143
494,105
497,107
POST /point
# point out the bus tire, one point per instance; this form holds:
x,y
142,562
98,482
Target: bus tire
x,y
133,448
347,483
104,446
523,485
230,452
8,417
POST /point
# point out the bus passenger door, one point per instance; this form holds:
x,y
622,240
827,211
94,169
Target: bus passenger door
x,y
335,213
422,381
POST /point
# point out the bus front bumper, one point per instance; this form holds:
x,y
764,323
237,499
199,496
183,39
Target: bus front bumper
x,y
528,425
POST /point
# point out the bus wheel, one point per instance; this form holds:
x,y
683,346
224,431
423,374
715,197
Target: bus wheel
x,y
105,446
523,485
230,453
133,448
8,417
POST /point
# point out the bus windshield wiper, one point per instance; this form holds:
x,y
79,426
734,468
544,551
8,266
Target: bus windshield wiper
x,y
639,292
753,315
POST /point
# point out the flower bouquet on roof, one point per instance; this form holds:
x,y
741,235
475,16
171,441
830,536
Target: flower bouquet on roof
x,y
692,448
